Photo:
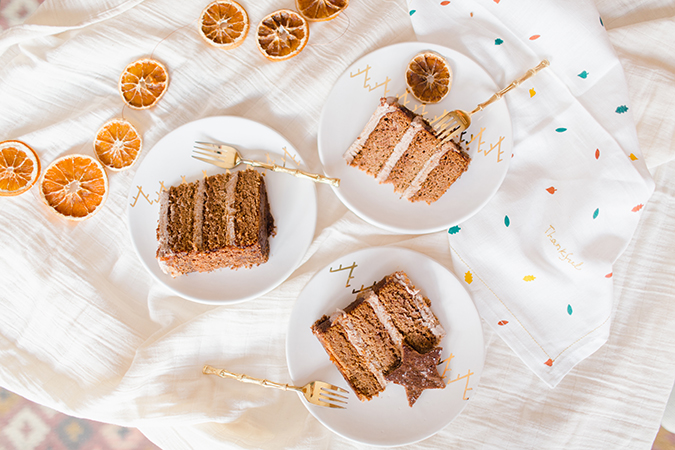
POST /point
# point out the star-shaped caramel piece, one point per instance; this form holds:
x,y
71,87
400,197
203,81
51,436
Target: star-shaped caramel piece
x,y
417,372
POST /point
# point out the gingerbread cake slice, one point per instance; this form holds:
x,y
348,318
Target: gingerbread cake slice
x,y
223,220
365,340
399,147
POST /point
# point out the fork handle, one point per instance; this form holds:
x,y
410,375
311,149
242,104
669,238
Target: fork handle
x,y
209,370
295,172
513,85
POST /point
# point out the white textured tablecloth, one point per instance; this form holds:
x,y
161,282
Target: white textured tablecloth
x,y
85,329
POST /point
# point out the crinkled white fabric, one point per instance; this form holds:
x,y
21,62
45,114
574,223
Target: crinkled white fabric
x,y
87,331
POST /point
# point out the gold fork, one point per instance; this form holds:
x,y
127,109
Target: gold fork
x,y
316,392
453,123
228,157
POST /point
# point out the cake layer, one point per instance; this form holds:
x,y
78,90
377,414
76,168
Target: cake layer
x,y
218,213
365,340
220,221
399,147
413,160
354,367
410,312
372,148
435,180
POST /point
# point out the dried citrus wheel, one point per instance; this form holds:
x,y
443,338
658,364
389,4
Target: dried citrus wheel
x,y
224,23
75,186
428,77
320,10
117,144
19,168
282,35
143,83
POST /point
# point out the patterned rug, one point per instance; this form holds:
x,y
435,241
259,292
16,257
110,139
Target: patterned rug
x,y
27,426
14,12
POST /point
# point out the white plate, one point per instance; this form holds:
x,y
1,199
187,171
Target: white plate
x,y
292,202
353,100
387,420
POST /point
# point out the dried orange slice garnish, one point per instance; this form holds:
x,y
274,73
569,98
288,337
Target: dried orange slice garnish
x,y
19,168
143,83
320,10
428,77
224,24
74,186
117,144
282,35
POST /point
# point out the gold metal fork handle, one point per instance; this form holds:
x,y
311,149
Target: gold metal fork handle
x,y
209,370
295,172
513,85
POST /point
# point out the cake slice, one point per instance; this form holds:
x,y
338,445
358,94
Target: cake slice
x,y
399,147
223,220
365,340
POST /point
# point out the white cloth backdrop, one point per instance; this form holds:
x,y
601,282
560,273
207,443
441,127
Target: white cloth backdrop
x,y
85,330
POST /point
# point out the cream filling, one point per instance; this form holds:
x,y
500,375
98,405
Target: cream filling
x,y
357,145
362,349
163,232
429,320
230,210
400,148
430,165
198,223
384,318
422,175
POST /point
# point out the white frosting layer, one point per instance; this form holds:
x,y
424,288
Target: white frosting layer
x,y
230,210
428,318
429,165
384,318
361,347
400,148
198,224
163,233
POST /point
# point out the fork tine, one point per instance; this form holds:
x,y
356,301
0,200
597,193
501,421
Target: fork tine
x,y
208,144
333,396
442,121
329,405
331,400
335,393
215,162
449,133
205,152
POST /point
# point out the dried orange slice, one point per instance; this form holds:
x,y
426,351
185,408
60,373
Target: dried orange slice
x,y
117,144
224,24
428,77
320,10
74,186
19,168
143,83
282,35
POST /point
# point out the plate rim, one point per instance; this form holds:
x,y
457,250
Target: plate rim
x,y
387,226
193,298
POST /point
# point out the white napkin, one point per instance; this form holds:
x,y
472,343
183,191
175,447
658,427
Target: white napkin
x,y
538,258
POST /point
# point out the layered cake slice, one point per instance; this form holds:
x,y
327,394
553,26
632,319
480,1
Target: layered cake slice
x,y
399,147
223,220
365,340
